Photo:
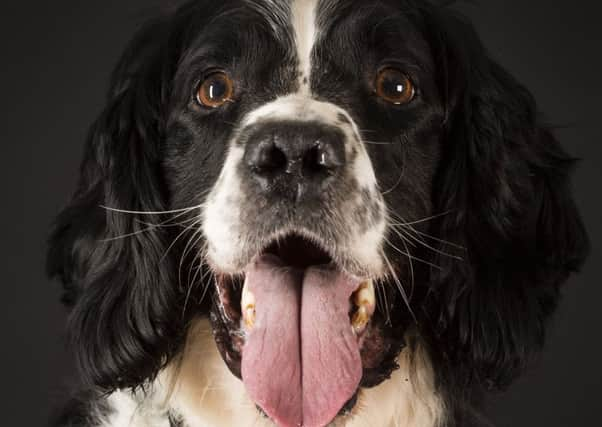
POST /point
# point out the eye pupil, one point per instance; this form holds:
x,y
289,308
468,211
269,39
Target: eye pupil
x,y
215,90
394,86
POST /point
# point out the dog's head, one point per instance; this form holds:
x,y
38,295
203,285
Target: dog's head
x,y
321,177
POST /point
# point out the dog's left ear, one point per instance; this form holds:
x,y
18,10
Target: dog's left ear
x,y
118,282
504,181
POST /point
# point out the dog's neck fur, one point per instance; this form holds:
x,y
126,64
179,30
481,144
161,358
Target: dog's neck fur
x,y
200,391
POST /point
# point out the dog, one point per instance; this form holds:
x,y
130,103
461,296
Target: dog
x,y
311,213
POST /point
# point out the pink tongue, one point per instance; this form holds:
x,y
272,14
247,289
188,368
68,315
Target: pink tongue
x,y
301,360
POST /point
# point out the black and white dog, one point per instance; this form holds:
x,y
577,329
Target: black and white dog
x,y
311,213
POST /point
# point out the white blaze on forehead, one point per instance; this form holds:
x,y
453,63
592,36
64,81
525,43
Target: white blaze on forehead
x,y
295,107
304,26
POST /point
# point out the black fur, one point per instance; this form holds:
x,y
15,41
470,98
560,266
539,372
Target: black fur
x,y
499,176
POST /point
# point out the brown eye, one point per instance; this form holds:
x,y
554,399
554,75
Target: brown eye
x,y
215,90
394,86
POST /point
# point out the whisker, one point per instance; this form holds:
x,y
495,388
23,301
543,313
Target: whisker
x,y
423,243
382,292
125,236
200,256
411,267
191,284
419,220
167,223
401,173
415,235
207,285
196,237
401,234
150,227
377,142
411,257
110,209
446,242
190,227
440,252
400,287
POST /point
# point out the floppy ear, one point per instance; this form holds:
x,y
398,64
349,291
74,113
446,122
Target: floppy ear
x,y
504,180
118,286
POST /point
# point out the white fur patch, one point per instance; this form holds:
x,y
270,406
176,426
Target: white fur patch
x,y
295,107
221,215
131,410
304,26
367,247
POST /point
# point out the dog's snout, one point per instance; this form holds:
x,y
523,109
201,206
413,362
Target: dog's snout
x,y
295,156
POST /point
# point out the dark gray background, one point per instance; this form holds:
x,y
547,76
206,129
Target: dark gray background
x,y
56,59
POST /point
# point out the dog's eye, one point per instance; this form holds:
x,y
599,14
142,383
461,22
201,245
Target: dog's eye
x,y
215,90
394,86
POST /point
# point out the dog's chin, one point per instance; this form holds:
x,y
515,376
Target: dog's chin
x,y
303,334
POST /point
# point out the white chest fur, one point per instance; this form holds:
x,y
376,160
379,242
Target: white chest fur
x,y
203,392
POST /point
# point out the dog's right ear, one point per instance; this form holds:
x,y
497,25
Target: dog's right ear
x,y
116,280
504,181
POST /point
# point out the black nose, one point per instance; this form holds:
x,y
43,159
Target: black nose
x,y
295,158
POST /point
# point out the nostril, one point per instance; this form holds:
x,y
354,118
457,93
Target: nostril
x,y
323,155
294,160
267,157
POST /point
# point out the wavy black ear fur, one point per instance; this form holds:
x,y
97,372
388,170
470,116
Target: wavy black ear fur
x,y
115,279
504,180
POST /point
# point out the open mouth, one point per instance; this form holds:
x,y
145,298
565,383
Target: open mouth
x,y
295,327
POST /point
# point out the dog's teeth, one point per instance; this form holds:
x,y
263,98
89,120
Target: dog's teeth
x,y
249,316
364,296
248,307
365,301
360,320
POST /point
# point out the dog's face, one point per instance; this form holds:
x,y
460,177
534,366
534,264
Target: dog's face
x,y
341,173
